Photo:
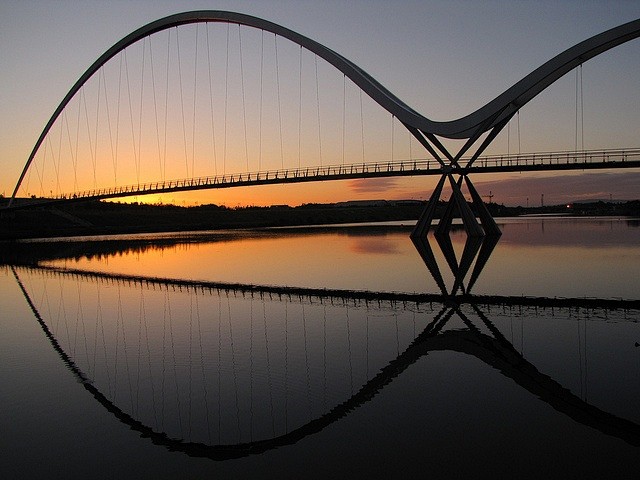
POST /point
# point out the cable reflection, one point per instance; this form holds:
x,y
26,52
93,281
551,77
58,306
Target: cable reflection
x,y
258,368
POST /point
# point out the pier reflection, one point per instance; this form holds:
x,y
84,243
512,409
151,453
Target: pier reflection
x,y
228,370
476,253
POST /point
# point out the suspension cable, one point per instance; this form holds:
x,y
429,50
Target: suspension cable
x,y
155,109
362,126
195,91
56,164
213,132
95,146
139,165
115,165
344,111
166,107
244,109
86,116
77,148
44,159
226,103
579,132
59,154
275,42
71,153
581,110
575,138
133,135
106,102
27,183
261,99
184,126
318,108
393,118
518,118
300,109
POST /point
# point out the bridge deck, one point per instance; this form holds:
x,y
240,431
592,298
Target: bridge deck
x,y
549,161
329,295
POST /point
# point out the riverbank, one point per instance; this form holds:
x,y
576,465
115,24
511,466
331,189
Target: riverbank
x,y
108,218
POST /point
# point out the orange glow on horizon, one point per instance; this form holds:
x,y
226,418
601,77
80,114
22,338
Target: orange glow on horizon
x,y
295,194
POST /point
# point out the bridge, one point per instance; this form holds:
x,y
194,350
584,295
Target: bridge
x,y
531,162
207,111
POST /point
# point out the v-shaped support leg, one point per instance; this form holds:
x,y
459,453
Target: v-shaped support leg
x,y
426,218
469,221
488,223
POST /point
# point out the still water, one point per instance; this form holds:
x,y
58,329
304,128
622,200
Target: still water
x,y
325,352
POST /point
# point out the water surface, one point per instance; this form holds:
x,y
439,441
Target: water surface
x,y
265,353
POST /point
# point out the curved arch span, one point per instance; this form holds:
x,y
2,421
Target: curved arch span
x,y
485,118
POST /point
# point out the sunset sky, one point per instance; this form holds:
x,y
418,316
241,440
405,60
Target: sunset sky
x,y
444,59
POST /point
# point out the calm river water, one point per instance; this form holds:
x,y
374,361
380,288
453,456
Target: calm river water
x,y
326,352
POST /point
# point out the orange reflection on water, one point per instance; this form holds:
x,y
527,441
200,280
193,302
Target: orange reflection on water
x,y
322,259
534,257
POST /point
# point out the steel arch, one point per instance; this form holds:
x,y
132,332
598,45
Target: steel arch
x,y
494,113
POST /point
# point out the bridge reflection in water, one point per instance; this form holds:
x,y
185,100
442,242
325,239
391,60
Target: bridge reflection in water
x,y
227,370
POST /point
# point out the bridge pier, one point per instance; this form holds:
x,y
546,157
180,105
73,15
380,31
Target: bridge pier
x,y
457,202
475,253
482,236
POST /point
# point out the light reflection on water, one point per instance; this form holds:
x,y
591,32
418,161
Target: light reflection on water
x,y
190,367
562,257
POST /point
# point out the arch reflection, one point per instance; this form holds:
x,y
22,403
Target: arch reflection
x,y
224,371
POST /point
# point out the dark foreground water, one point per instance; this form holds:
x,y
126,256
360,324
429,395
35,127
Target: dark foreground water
x,y
324,353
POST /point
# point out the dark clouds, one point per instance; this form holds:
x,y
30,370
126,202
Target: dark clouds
x,y
512,191
622,185
374,185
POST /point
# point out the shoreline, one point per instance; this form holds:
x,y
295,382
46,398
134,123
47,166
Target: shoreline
x,y
108,218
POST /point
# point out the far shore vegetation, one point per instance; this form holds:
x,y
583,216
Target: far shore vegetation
x,y
109,217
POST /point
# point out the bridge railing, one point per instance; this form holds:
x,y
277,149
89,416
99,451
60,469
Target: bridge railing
x,y
557,158
265,176
417,166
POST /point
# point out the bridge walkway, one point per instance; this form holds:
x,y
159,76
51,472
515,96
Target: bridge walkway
x,y
527,162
